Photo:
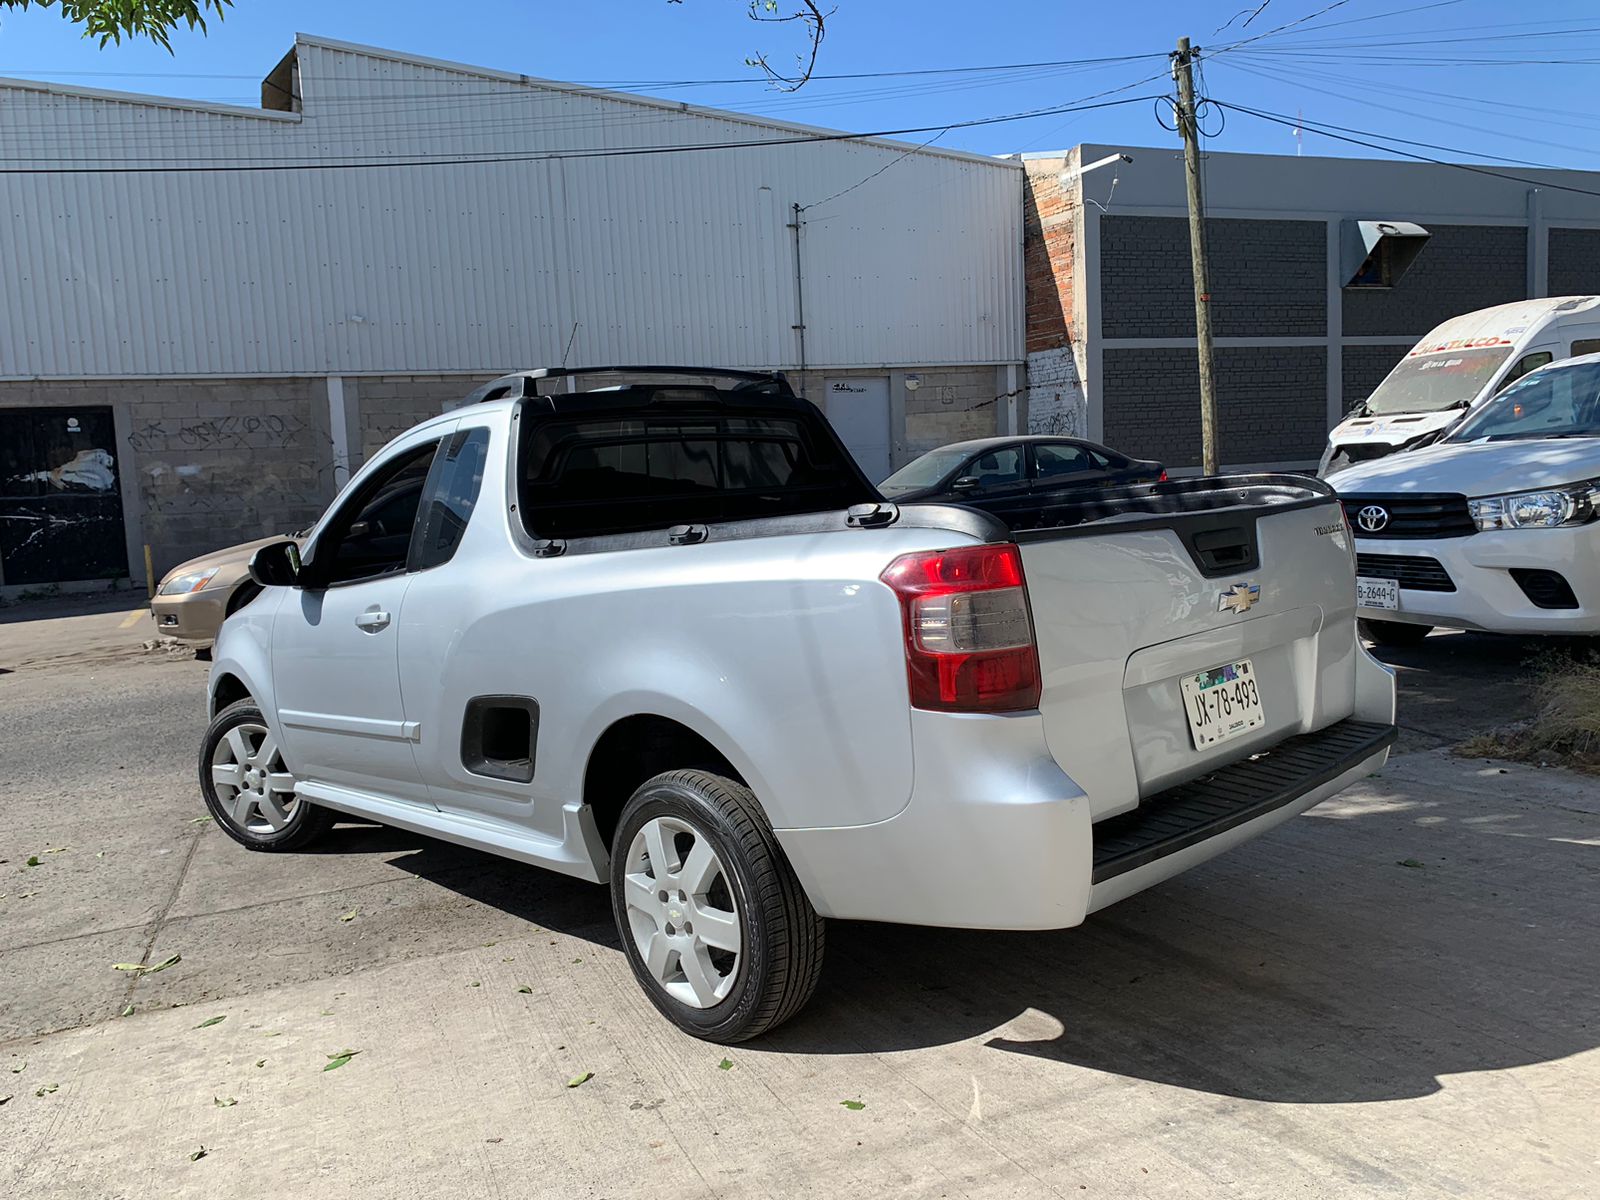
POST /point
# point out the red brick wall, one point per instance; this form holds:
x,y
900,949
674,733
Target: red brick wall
x,y
1049,255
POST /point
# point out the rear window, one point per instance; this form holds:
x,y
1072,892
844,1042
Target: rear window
x,y
621,474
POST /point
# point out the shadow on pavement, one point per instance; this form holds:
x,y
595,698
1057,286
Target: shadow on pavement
x,y
1225,981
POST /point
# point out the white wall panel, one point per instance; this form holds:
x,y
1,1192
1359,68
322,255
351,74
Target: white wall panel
x,y
478,266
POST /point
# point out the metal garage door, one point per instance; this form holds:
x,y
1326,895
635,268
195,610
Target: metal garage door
x,y
60,507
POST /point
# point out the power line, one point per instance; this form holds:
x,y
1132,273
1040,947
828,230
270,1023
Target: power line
x,y
1361,137
609,152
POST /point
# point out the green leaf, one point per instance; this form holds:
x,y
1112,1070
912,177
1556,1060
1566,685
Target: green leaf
x,y
165,963
199,1154
58,850
335,1061
210,1021
580,1079
33,860
221,1103
476,983
261,1062
349,916
525,990
1408,862
725,1065
853,1105
201,820
128,1011
47,1089
20,1067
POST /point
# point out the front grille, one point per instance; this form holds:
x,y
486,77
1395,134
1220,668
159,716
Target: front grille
x,y
1412,515
1547,589
1414,571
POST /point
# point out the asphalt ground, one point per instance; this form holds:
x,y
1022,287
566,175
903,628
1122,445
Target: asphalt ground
x,y
1397,994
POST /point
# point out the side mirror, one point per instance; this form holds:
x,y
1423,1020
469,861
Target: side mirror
x,y
277,565
967,483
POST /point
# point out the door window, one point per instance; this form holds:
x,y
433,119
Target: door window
x,y
371,534
1531,361
1055,461
452,493
996,469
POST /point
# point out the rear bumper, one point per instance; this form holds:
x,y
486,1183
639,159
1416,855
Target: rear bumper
x,y
1486,594
997,836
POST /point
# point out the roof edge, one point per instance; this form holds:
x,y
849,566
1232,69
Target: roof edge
x,y
74,92
721,114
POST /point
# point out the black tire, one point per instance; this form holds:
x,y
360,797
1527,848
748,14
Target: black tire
x,y
780,958
1394,633
306,821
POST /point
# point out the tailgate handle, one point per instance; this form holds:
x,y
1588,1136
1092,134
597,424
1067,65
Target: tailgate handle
x,y
1222,548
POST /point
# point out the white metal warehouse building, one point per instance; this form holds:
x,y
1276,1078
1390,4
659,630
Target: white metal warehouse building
x,y
211,313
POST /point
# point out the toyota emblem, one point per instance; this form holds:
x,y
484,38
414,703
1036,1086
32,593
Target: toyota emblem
x,y
1373,518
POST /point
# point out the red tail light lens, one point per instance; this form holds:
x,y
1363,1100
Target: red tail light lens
x,y
1163,478
969,638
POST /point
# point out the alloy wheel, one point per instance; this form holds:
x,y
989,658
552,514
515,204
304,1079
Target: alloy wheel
x,y
253,786
681,912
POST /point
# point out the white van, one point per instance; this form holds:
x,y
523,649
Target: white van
x,y
1458,366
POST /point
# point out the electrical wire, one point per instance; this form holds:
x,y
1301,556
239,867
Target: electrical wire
x,y
345,164
1393,145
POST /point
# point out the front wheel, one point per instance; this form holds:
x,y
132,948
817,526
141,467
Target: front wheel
x,y
714,922
250,792
1394,633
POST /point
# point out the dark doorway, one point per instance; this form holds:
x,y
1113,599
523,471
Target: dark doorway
x,y
60,506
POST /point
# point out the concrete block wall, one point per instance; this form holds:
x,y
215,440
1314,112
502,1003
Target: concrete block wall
x,y
211,462
1365,368
1272,402
1462,268
1268,278
1574,262
391,404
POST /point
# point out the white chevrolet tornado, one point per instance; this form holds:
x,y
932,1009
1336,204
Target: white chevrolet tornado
x,y
1494,526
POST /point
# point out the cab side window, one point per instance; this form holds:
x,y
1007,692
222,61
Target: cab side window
x,y
371,534
1055,461
1528,362
451,495
998,468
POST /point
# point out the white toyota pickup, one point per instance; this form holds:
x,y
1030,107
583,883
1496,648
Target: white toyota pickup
x,y
666,636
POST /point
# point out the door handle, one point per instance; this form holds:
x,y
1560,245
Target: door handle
x,y
373,620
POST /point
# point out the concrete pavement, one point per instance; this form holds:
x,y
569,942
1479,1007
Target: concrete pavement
x,y
1306,1016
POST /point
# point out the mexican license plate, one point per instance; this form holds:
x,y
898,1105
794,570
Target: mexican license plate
x,y
1377,593
1222,703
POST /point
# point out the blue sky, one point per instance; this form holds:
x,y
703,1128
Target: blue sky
x,y
1496,80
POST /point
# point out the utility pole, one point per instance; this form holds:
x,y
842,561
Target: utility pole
x,y
1189,131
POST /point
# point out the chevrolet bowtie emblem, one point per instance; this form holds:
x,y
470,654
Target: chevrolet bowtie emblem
x,y
1240,598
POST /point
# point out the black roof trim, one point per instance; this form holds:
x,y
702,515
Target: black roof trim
x,y
523,384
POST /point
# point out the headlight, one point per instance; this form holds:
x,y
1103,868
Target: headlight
x,y
1546,509
193,581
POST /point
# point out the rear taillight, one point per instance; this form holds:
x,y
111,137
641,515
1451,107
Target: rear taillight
x,y
969,639
1162,478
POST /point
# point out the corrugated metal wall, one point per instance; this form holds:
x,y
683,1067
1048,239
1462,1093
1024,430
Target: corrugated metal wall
x,y
656,257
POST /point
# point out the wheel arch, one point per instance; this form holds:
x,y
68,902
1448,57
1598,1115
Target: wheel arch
x,y
637,747
227,688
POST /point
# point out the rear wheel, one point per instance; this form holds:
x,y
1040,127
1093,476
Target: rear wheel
x,y
1394,633
714,922
250,792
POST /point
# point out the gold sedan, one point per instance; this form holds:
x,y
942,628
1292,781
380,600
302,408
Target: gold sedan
x,y
197,596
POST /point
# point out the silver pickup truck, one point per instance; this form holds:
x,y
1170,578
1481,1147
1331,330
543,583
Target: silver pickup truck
x,y
664,635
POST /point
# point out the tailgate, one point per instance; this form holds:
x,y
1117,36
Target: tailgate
x,y
1129,605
